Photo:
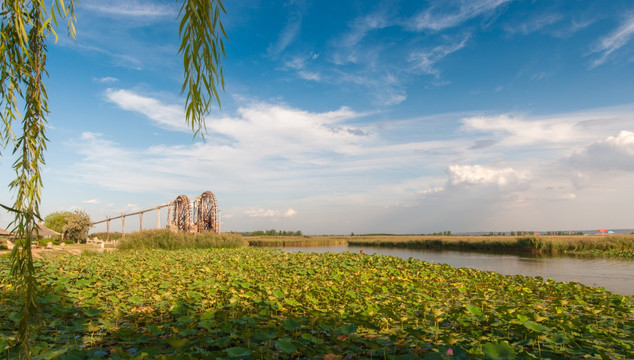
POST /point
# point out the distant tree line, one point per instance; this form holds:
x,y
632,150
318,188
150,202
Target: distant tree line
x,y
513,233
558,233
443,233
273,232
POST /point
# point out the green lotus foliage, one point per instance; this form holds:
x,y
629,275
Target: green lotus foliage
x,y
251,303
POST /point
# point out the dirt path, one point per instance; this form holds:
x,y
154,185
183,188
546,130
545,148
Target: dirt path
x,y
43,252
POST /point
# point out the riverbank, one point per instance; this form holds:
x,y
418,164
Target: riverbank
x,y
615,246
621,246
610,245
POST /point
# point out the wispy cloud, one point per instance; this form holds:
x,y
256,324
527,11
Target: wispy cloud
x,y
616,40
425,60
298,63
349,47
362,25
289,33
106,80
448,14
386,67
129,60
130,8
125,32
535,24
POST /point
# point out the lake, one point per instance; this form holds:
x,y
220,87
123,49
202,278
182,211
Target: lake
x,y
614,275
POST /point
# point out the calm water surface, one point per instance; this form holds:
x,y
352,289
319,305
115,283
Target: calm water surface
x,y
614,275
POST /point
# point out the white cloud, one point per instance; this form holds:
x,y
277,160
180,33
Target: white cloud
x,y
269,213
448,14
262,140
612,153
290,213
392,97
269,129
311,76
268,157
431,191
168,117
92,201
106,79
613,42
262,213
515,131
569,196
480,175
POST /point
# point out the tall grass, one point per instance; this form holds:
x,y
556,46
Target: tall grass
x,y
573,243
114,235
276,241
167,240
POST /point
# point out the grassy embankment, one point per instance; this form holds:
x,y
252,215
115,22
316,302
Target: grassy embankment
x,y
251,303
276,241
609,245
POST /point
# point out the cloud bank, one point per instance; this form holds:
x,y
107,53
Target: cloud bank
x,y
340,160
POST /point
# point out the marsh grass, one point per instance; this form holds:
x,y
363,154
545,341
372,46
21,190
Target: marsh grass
x,y
277,241
571,243
115,235
167,240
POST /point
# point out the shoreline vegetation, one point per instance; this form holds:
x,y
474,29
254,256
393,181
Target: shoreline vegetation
x,y
621,245
617,245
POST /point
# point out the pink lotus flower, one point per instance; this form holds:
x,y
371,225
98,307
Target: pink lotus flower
x,y
449,352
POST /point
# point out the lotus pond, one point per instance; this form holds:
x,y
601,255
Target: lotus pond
x,y
262,304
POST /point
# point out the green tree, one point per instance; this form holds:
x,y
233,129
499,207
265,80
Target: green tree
x,y
56,221
77,226
24,31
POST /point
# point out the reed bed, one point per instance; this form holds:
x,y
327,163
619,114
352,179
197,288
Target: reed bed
x,y
277,241
167,240
568,243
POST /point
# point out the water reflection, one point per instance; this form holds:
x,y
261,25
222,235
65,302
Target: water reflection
x,y
614,275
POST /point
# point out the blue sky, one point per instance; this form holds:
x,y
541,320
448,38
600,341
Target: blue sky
x,y
353,116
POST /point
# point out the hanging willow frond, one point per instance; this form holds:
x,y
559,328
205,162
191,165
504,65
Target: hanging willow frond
x,y
24,29
202,48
